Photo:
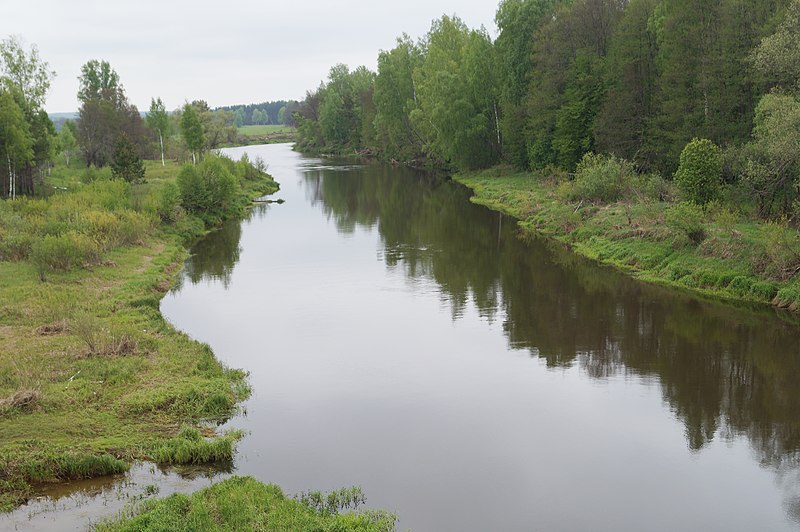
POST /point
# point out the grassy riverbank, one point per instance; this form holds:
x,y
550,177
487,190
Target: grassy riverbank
x,y
242,503
91,375
715,252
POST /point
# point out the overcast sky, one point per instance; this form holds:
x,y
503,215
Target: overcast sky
x,y
225,52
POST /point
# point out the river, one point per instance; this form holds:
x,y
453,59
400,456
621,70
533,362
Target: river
x,y
405,340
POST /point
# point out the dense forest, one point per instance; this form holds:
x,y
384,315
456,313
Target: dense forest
x,y
634,79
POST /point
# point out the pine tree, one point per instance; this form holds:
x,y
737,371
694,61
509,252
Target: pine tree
x,y
126,163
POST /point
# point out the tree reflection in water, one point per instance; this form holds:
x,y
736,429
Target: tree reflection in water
x,y
724,371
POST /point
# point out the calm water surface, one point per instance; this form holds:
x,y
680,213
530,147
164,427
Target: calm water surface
x,y
402,339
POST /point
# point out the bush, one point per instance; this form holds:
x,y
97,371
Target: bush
x,y
126,163
602,178
133,228
781,249
15,246
169,203
208,189
687,219
699,174
61,253
653,187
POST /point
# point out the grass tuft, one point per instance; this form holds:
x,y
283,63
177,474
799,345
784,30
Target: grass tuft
x,y
190,447
243,503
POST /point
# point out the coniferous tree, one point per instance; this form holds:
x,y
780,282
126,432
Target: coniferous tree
x,y
126,163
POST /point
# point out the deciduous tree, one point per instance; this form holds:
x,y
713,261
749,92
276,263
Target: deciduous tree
x,y
158,120
192,131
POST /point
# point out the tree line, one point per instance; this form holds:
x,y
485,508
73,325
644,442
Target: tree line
x,y
255,114
635,79
109,130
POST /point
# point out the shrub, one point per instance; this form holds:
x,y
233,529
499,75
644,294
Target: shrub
x,y
133,228
653,187
101,226
740,285
699,174
16,246
207,189
602,178
126,163
169,203
781,249
687,219
61,253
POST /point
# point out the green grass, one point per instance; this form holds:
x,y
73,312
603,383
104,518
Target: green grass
x,y
265,134
91,375
191,447
738,259
264,130
242,503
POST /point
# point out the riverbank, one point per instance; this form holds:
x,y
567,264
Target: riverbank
x,y
734,259
92,377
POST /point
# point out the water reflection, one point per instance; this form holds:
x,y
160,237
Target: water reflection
x,y
213,258
724,371
78,505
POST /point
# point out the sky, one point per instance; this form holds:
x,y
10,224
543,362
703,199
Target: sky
x,y
227,53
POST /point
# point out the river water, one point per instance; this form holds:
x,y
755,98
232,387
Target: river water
x,y
404,340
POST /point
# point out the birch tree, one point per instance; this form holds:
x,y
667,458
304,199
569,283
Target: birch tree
x,y
158,120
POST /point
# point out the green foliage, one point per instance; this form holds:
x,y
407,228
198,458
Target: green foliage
x,y
169,203
63,252
67,145
394,99
98,81
16,141
777,57
456,113
126,163
207,189
771,159
342,107
572,136
192,130
518,22
158,120
699,174
781,251
687,219
603,178
190,447
630,75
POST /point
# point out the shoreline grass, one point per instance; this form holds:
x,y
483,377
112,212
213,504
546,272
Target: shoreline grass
x,y
92,377
243,503
736,260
